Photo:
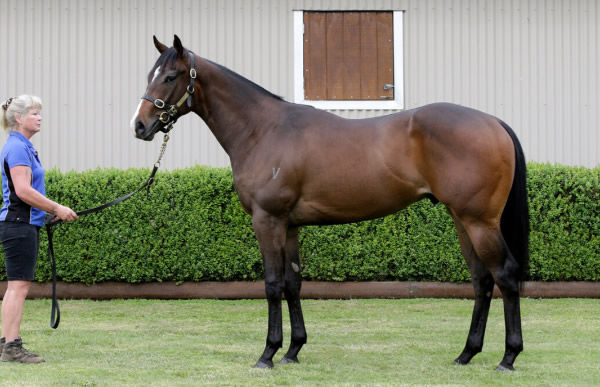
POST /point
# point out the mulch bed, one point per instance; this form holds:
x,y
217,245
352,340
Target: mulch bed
x,y
314,290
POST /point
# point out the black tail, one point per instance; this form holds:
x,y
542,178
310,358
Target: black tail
x,y
515,217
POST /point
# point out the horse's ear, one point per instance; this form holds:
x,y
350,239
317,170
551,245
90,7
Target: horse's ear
x,y
159,46
177,45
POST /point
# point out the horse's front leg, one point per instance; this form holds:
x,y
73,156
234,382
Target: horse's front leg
x,y
293,282
271,235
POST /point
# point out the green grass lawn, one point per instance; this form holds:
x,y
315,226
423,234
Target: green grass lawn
x,y
350,342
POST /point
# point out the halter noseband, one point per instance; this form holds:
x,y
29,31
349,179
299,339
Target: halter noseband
x,y
169,116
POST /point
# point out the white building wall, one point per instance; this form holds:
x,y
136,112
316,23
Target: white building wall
x,y
532,63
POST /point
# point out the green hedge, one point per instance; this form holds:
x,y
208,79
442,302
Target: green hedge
x,y
191,227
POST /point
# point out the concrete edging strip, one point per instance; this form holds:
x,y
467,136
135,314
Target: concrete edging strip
x,y
310,290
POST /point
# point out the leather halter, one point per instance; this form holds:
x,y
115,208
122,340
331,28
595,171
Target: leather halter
x,y
169,116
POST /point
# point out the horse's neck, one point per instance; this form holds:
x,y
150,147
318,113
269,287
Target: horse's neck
x,y
233,110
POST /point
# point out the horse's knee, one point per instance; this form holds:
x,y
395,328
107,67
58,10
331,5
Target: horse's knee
x,y
483,285
292,289
273,289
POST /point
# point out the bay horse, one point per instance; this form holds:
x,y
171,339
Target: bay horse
x,y
294,165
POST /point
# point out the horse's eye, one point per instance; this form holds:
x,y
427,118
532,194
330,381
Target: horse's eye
x,y
170,78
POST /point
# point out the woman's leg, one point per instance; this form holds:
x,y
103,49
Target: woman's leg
x,y
12,308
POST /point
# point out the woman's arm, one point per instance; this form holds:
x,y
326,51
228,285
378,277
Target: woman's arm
x,y
21,177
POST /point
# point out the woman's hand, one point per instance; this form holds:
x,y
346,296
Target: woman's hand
x,y
65,213
21,176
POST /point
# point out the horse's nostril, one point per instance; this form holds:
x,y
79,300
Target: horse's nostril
x,y
139,127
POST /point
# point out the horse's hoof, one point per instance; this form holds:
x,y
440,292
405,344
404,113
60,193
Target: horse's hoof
x,y
288,360
460,361
262,364
502,368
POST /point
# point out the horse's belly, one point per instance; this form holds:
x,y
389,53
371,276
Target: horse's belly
x,y
335,205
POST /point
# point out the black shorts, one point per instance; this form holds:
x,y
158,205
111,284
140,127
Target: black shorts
x,y
21,242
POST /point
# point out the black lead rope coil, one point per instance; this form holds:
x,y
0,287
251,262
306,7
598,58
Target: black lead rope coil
x,y
51,223
55,315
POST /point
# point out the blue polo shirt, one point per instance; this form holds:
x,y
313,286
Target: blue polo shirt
x,y
18,150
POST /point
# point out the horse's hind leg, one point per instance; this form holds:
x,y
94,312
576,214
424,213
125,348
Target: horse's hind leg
x,y
507,279
490,247
293,282
483,283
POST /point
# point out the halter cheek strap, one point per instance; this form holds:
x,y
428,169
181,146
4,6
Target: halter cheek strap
x,y
169,116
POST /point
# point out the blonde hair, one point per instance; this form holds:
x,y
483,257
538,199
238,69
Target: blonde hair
x,y
17,106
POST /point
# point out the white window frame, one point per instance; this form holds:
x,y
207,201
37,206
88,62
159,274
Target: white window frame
x,y
395,104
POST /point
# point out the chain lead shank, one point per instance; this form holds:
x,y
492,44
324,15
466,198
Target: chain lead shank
x,y
163,148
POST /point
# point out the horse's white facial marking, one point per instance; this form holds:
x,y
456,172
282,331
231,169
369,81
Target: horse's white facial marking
x,y
137,111
156,74
132,122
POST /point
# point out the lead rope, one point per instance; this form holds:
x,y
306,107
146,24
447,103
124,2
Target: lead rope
x,y
163,147
50,224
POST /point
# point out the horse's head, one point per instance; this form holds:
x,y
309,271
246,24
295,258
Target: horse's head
x,y
170,85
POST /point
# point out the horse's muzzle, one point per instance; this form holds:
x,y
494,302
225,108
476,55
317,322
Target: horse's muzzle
x,y
144,133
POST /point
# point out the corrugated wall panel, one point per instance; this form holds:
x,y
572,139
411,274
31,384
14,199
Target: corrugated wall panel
x,y
532,63
525,62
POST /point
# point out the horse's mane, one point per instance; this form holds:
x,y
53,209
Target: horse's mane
x,y
248,82
170,55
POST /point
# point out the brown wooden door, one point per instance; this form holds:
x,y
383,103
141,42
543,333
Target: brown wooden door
x,y
348,55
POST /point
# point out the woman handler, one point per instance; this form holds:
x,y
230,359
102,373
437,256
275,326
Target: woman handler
x,y
21,217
